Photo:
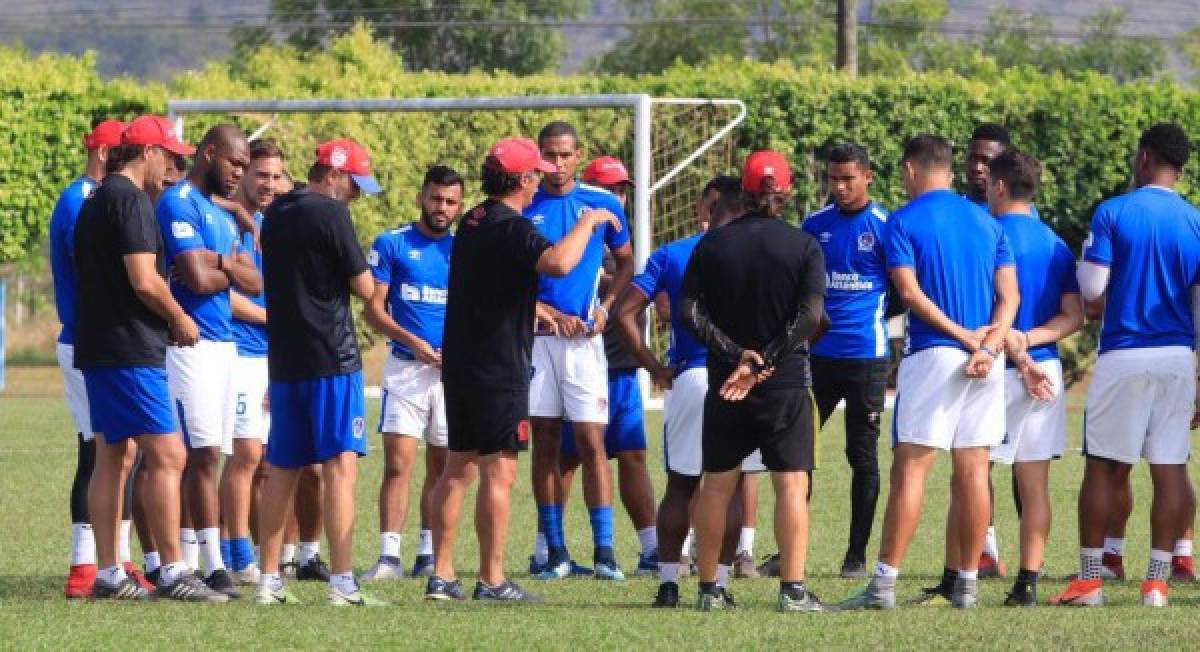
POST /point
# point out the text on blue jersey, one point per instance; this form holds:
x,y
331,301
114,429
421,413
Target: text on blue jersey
x,y
417,271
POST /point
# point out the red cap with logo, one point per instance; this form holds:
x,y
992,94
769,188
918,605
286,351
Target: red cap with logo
x,y
155,130
346,155
519,155
765,164
606,171
106,133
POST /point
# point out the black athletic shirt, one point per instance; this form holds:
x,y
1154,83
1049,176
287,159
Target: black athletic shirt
x,y
488,336
756,283
113,328
310,253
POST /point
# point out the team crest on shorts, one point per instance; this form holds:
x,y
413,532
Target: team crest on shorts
x,y
359,426
866,241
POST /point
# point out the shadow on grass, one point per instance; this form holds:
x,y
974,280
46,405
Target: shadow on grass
x,y
27,588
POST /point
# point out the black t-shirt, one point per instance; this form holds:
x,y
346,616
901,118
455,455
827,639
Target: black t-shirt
x,y
753,276
488,336
113,328
310,253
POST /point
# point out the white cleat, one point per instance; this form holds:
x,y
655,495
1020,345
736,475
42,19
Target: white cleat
x,y
383,570
248,576
1154,594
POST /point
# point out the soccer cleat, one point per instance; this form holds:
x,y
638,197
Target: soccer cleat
x,y
714,601
557,571
154,576
387,568
743,566
1112,567
1154,593
422,566
668,596
288,569
580,571
1181,569
188,588
879,593
265,597
138,576
509,591
647,565
248,576
126,589
805,602
80,581
355,599
930,597
686,566
221,581
536,567
853,569
769,566
608,570
966,594
437,588
989,566
730,603
1081,593
1022,596
314,570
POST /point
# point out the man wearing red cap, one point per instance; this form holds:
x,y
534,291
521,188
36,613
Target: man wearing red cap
x,y
486,350
754,292
312,262
125,315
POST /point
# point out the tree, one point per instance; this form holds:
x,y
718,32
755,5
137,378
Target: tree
x,y
1105,49
429,34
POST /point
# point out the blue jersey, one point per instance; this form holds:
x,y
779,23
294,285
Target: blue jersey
x,y
954,248
555,216
189,220
1033,211
664,273
1045,272
251,339
856,280
417,271
62,252
1150,241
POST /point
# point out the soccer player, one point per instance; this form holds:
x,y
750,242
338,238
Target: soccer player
x,y
753,293
850,361
570,377
312,262
202,251
486,350
411,266
1141,260
124,317
685,378
1050,309
251,417
625,435
952,266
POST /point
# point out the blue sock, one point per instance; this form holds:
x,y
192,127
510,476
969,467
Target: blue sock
x,y
242,553
602,526
550,520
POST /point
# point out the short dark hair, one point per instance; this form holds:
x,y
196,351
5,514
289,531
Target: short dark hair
x,y
495,181
992,131
122,155
1019,171
1168,142
849,152
928,151
441,175
318,172
556,129
729,193
260,149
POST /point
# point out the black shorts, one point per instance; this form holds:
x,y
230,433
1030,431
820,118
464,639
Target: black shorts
x,y
484,420
779,422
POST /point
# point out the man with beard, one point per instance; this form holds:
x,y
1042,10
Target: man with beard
x,y
411,266
201,245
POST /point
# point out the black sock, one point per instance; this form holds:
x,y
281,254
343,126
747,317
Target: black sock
x,y
949,577
85,462
864,496
1025,579
793,589
709,588
603,554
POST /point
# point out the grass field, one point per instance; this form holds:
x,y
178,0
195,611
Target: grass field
x,y
36,462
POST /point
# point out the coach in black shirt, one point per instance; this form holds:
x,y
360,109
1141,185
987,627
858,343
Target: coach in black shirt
x,y
754,291
486,352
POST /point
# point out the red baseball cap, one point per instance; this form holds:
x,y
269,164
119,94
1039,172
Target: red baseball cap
x,y
106,133
155,130
346,155
765,164
519,155
606,171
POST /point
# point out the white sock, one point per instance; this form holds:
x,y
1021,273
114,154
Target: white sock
x,y
389,544
883,570
723,572
746,541
425,543
151,561
648,537
288,554
272,581
83,544
1160,565
123,554
990,547
668,571
688,541
1114,546
112,574
541,551
209,541
172,572
968,575
189,546
306,551
1183,548
344,583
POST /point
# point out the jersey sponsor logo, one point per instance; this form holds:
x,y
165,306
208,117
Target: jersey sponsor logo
x,y
866,241
414,254
373,258
538,219
182,230
423,294
825,236
849,281
358,426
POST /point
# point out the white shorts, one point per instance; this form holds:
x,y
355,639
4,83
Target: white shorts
x,y
251,415
570,379
683,426
939,407
1036,431
1140,405
200,378
75,390
413,402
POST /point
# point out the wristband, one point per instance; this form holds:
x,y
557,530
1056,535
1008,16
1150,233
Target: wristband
x,y
220,263
988,350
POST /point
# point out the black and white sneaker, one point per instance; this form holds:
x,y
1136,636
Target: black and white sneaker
x,y
437,588
509,591
222,582
314,570
126,589
189,589
668,596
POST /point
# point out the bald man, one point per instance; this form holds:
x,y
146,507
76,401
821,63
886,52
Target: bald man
x,y
205,259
